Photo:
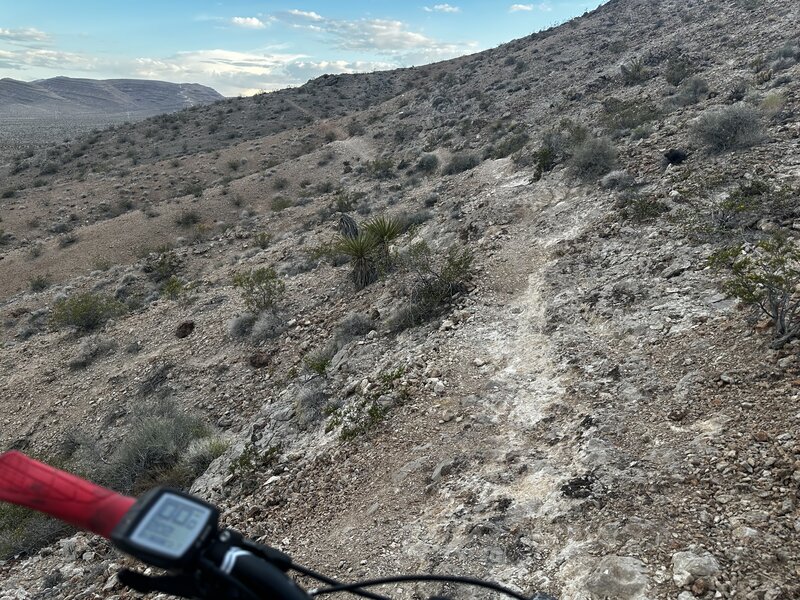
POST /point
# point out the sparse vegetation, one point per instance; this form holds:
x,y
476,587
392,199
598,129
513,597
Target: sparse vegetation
x,y
766,276
434,282
187,218
280,203
593,158
360,249
159,449
261,288
85,312
729,128
461,162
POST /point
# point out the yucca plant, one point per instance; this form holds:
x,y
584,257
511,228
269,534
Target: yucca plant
x,y
383,230
361,250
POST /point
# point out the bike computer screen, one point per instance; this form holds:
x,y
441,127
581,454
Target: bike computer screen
x,y
165,526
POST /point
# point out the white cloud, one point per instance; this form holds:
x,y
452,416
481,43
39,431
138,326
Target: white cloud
x,y
28,34
248,22
382,36
46,59
445,8
543,6
306,14
231,73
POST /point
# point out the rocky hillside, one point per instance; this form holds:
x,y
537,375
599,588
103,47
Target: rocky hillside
x,y
68,96
545,364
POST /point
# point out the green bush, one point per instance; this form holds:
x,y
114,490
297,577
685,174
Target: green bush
x,y
381,168
161,265
593,158
434,282
676,71
154,451
509,145
261,288
634,72
39,283
428,163
187,218
623,115
766,276
280,203
85,312
461,162
729,128
691,91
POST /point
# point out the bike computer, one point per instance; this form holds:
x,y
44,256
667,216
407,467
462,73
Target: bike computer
x,y
165,528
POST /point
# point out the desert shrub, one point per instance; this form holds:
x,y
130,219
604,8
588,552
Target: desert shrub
x,y
240,326
280,203
192,189
428,163
622,115
766,276
434,282
262,240
640,209
85,311
68,239
691,91
152,452
160,266
593,158
173,288
509,145
280,183
748,203
309,404
634,72
267,327
729,128
381,168
26,531
38,283
8,193
5,237
676,71
90,350
773,104
318,361
187,218
355,128
352,326
361,251
461,162
261,288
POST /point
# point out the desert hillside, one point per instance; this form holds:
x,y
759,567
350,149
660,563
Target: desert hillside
x,y
38,113
528,315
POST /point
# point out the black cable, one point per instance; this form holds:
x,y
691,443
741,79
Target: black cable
x,y
332,582
350,587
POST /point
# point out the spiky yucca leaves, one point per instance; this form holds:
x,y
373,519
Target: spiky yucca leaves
x,y
383,230
361,250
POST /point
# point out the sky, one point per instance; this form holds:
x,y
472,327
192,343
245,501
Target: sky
x,y
245,47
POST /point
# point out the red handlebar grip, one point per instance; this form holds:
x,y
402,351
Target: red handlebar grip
x,y
81,503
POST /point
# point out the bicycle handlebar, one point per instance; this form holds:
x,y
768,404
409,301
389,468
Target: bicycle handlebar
x,y
74,500
218,564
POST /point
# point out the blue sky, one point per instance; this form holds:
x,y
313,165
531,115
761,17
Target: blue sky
x,y
244,47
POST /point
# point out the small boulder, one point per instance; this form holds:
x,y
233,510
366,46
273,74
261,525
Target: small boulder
x,y
676,156
185,329
688,566
620,577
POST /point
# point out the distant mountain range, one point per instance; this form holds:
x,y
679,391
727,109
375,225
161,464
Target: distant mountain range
x,y
69,97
